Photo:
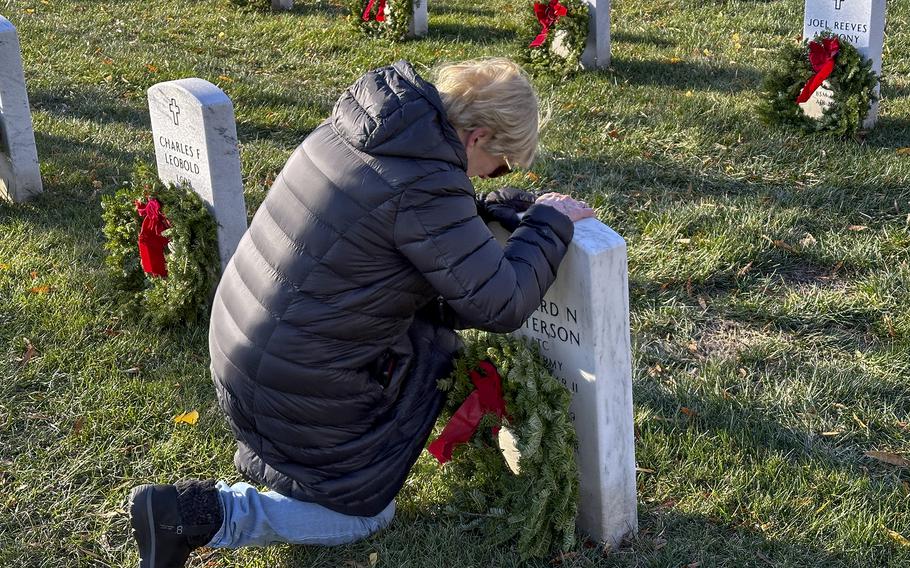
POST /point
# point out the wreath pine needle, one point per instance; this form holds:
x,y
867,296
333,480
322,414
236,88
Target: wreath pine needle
x,y
852,82
537,506
193,263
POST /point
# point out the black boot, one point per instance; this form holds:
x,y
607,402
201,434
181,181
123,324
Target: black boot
x,y
169,521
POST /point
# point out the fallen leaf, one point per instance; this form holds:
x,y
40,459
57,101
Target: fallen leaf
x,y
614,134
903,151
4,266
783,245
675,60
225,78
742,271
190,418
33,274
30,352
857,228
40,289
889,458
688,412
151,68
898,538
860,422
97,184
77,426
374,559
808,241
532,176
702,303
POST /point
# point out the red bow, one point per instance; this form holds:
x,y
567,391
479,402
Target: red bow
x,y
485,399
547,15
380,12
151,241
821,56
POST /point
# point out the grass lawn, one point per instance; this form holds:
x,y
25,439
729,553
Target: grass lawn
x,y
769,280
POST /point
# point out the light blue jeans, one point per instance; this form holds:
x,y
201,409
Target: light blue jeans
x,y
252,518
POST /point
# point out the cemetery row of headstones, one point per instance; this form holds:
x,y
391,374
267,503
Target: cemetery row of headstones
x,y
581,327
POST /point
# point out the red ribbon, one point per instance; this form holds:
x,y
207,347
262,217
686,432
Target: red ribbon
x,y
821,56
485,399
547,15
151,241
380,12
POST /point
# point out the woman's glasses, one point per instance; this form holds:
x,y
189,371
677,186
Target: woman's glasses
x,y
501,170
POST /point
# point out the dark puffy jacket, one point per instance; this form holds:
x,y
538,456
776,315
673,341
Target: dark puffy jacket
x,y
316,354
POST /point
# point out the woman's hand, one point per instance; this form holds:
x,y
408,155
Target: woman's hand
x,y
574,210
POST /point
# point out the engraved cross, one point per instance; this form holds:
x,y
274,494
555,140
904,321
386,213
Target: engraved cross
x,y
175,112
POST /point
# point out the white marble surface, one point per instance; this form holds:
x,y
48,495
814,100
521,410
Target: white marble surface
x,y
196,142
419,23
282,4
20,176
582,328
597,51
859,22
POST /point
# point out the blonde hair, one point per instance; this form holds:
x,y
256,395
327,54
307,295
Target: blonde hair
x,y
493,93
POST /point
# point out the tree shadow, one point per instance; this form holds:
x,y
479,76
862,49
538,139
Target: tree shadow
x,y
90,103
686,75
667,536
479,34
641,38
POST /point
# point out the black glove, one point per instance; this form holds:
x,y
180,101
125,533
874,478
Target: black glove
x,y
504,205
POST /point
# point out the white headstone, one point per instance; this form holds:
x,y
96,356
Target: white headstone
x,y
20,176
196,143
858,22
282,4
597,51
582,329
419,24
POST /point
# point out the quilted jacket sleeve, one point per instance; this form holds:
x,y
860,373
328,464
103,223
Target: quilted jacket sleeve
x,y
488,287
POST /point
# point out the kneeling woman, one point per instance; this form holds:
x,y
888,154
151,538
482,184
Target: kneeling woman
x,y
333,321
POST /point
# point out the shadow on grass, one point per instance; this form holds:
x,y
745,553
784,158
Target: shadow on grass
x,y
644,39
479,34
666,537
686,75
890,132
254,108
90,103
474,11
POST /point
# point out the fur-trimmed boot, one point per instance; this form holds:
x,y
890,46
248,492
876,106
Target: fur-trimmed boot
x,y
169,521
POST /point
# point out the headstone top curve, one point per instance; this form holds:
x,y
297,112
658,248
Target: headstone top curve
x,y
6,25
593,236
200,89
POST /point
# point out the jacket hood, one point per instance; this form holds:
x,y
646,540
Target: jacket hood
x,y
392,111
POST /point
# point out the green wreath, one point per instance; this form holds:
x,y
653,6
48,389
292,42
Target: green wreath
x,y
398,16
572,31
193,263
539,504
852,81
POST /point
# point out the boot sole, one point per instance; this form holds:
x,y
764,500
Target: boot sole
x,y
143,523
